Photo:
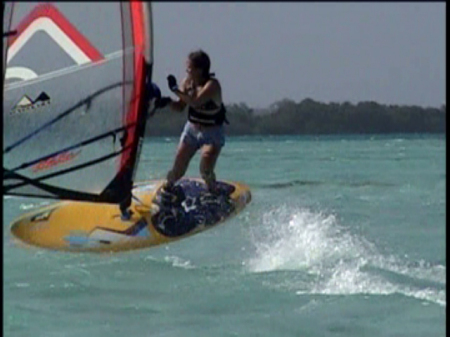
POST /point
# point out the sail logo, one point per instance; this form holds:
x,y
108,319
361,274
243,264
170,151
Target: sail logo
x,y
55,160
48,19
27,104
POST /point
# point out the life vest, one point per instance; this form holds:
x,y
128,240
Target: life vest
x,y
207,114
203,114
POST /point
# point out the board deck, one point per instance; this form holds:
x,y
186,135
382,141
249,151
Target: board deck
x,y
99,227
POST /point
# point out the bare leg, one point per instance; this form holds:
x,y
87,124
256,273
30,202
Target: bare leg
x,y
184,155
210,153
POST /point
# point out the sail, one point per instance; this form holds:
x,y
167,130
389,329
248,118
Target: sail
x,y
74,97
6,12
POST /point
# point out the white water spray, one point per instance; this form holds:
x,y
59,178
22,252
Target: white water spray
x,y
335,261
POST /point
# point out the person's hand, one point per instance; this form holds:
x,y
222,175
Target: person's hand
x,y
172,82
162,102
154,91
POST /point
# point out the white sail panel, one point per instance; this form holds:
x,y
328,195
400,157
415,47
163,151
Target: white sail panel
x,y
74,98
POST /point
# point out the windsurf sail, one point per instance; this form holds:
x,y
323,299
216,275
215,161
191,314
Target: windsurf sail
x,y
74,97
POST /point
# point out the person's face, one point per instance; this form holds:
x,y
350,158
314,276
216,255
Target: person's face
x,y
193,72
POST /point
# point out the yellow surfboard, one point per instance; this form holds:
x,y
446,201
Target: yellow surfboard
x,y
99,227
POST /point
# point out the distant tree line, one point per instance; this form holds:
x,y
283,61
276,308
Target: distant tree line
x,y
286,117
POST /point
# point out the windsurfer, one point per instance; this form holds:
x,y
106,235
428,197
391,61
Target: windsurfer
x,y
204,130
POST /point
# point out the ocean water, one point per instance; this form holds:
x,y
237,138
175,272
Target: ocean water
x,y
345,236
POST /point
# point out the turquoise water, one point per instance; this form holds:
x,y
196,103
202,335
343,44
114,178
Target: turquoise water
x,y
345,236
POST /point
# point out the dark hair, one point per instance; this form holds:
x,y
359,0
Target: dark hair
x,y
201,60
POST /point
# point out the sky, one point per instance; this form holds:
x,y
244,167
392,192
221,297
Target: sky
x,y
391,53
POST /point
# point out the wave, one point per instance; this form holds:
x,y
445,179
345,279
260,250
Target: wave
x,y
26,207
327,258
172,260
289,184
292,183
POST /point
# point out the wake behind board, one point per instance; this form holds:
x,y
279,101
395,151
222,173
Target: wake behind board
x,y
98,227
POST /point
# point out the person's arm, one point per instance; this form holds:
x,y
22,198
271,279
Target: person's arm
x,y
207,93
180,104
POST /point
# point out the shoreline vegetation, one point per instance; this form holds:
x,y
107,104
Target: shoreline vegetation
x,y
309,117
